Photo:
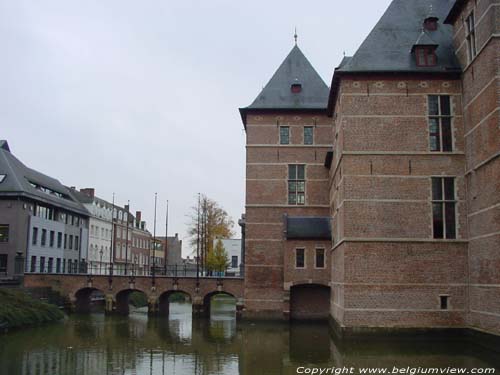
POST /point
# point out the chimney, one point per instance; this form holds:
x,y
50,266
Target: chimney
x,y
90,192
138,216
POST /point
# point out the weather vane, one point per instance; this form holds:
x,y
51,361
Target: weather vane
x,y
295,36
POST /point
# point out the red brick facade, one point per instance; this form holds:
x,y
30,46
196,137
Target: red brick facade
x,y
387,266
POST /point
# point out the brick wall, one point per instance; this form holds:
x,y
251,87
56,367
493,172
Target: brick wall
x,y
481,87
268,255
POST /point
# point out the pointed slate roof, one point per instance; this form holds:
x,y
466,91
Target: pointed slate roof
x,y
388,46
19,181
277,94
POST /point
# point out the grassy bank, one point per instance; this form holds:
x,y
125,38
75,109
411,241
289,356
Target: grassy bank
x,y
19,310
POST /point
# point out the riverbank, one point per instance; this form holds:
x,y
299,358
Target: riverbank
x,y
20,310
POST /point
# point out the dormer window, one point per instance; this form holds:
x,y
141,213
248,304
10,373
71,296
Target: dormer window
x,y
431,24
2,177
296,88
425,56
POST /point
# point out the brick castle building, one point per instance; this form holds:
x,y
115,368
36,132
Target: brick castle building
x,y
376,203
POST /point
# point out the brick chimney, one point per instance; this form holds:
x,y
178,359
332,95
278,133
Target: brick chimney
x,y
90,192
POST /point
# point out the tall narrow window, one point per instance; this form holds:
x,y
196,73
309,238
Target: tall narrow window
x,y
320,258
470,36
44,237
50,265
443,207
296,184
77,242
443,302
440,123
300,258
33,264
52,238
308,135
4,232
59,240
42,264
58,265
3,263
34,236
70,242
284,135
65,241
234,261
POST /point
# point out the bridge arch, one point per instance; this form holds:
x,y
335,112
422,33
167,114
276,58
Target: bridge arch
x,y
164,300
309,301
84,298
207,300
122,299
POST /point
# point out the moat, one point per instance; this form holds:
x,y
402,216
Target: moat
x,y
179,345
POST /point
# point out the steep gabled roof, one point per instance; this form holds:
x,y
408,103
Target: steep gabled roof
x,y
277,94
22,181
388,46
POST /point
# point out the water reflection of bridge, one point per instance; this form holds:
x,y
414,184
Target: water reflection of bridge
x,y
181,345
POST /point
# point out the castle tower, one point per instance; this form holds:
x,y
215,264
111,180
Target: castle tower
x,y
288,232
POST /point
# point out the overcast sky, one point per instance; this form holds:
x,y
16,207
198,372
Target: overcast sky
x,y
138,97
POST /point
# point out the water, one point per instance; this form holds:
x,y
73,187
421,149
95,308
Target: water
x,y
95,344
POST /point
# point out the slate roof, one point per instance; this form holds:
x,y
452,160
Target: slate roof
x,y
277,93
308,228
19,178
388,46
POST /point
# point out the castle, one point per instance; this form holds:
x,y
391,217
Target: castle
x,y
375,203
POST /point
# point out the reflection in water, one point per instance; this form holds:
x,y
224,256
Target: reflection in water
x,y
95,344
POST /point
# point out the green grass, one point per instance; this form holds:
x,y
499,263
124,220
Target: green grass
x,y
18,309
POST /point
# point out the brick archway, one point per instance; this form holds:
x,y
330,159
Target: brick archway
x,y
122,300
207,299
164,300
82,299
309,301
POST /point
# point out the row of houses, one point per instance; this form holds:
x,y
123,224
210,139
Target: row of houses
x,y
48,227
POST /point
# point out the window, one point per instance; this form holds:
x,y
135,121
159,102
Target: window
x,y
71,242
320,258
300,258
64,266
58,265
2,177
425,56
308,135
470,36
65,241
284,135
440,123
4,232
33,264
443,302
52,238
50,265
296,88
3,263
59,240
44,237
296,184
34,236
77,242
234,261
42,264
443,207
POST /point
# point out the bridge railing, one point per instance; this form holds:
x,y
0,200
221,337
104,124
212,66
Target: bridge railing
x,y
73,267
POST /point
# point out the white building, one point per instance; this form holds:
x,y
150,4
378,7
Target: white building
x,y
100,224
233,250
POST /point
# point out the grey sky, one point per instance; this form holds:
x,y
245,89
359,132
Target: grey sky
x,y
137,97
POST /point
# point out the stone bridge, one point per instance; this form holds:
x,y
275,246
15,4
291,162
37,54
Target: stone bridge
x,y
117,289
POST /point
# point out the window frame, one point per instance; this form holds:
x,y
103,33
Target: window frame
x,y
297,249
299,183
444,207
312,135
425,56
7,227
282,136
316,258
470,36
444,123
